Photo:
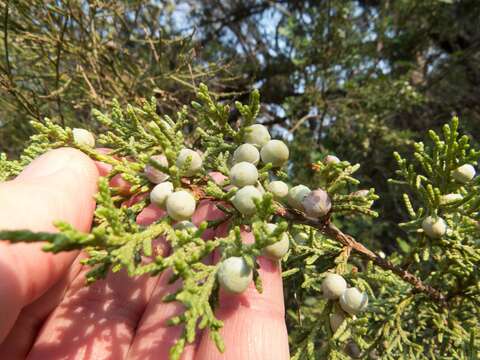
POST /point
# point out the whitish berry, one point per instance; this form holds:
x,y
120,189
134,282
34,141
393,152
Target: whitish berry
x,y
246,152
160,192
464,173
333,286
331,159
434,227
234,274
317,203
257,135
449,198
336,319
353,301
185,225
153,174
243,199
193,158
278,188
301,237
296,195
277,250
310,301
275,152
180,205
243,174
83,137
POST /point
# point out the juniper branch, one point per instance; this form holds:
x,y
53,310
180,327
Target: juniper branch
x,y
329,229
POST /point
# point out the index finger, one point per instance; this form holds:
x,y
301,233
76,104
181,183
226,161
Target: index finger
x,y
254,323
58,185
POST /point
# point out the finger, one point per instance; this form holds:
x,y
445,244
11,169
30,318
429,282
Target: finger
x,y
254,323
103,168
58,185
154,336
118,182
20,339
97,321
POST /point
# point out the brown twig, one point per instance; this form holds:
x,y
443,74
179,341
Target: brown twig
x,y
5,40
329,229
57,69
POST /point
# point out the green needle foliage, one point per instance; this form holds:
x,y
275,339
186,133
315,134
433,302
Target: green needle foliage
x,y
423,300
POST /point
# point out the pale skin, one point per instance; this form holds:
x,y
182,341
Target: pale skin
x,y
47,312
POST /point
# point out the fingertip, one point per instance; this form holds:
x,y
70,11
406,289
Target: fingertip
x,y
217,177
58,185
150,214
103,168
270,300
120,184
254,323
61,160
207,210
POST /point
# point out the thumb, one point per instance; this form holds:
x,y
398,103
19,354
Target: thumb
x,y
58,185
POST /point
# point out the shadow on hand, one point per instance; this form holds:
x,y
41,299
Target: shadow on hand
x,y
96,321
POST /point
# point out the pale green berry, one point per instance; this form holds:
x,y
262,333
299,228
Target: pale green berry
x,y
185,225
434,227
296,195
243,174
234,275
301,237
333,286
194,159
336,319
83,137
464,173
243,199
160,193
275,152
153,174
278,188
277,250
257,135
310,301
353,301
180,205
317,203
246,152
331,159
450,198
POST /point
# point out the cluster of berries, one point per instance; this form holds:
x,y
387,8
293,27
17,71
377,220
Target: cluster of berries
x,y
435,226
244,173
351,300
234,274
180,205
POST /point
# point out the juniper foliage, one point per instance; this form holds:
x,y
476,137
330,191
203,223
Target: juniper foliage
x,y
423,300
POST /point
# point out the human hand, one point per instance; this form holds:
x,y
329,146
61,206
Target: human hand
x,y
47,312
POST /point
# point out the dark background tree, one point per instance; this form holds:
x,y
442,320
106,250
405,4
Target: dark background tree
x,y
356,78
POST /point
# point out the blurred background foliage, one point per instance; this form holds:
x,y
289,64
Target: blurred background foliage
x,y
358,79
